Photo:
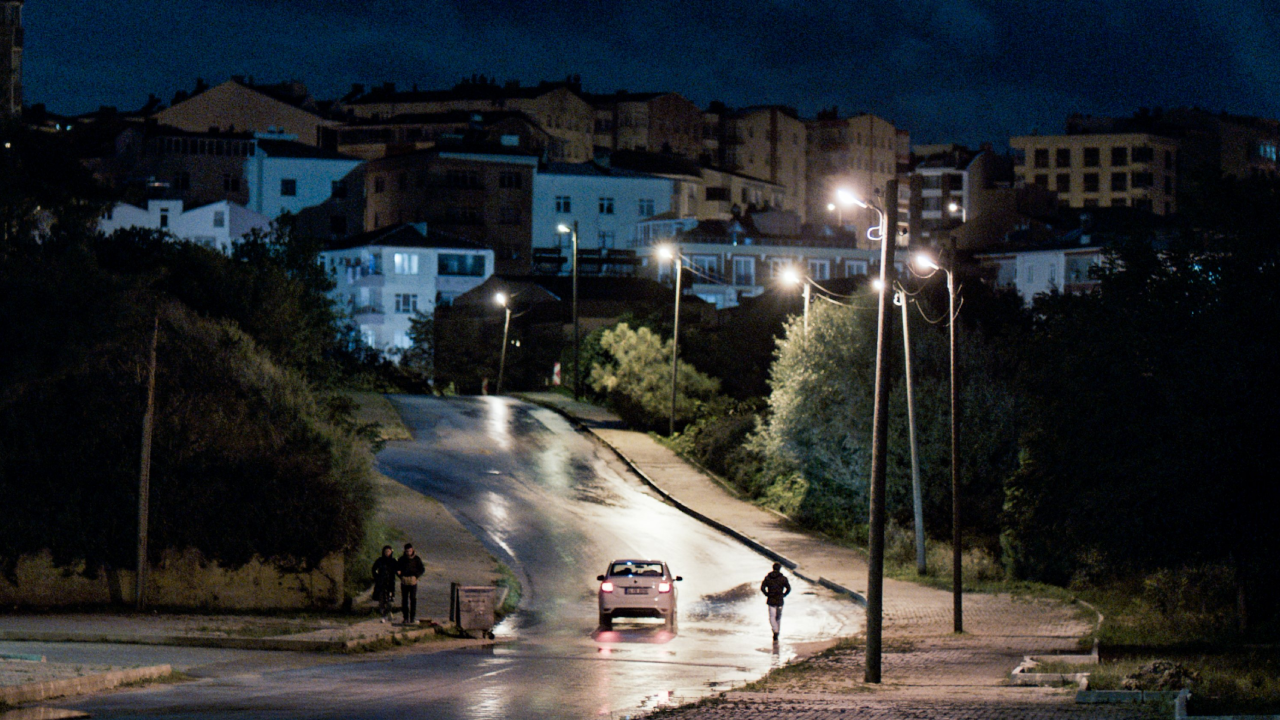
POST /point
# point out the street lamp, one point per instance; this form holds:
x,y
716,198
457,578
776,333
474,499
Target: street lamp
x,y
792,276
956,207
577,357
844,198
669,252
900,299
927,263
879,432
502,300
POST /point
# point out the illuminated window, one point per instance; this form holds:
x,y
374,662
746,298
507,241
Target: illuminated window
x,y
405,263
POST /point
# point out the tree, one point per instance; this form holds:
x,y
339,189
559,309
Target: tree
x,y
637,381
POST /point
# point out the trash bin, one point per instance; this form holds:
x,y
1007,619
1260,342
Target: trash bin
x,y
473,607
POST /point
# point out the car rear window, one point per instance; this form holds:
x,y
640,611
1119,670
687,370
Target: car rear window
x,y
627,569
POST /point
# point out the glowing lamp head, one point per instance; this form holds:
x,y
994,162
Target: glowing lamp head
x,y
791,276
924,262
846,197
500,299
666,252
831,207
953,207
877,285
562,228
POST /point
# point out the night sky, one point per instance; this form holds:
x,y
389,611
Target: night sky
x,y
947,70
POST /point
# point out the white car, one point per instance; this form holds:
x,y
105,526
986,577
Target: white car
x,y
637,588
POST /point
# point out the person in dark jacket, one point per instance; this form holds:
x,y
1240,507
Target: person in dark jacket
x,y
384,582
409,567
775,587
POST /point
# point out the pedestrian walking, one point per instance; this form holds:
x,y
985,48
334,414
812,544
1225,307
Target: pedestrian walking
x,y
409,567
384,582
776,588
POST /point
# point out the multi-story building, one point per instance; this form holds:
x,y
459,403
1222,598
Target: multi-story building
x,y
768,142
969,195
660,122
370,138
558,108
480,194
604,203
238,105
729,260
11,58
859,154
382,278
1136,170
215,226
286,176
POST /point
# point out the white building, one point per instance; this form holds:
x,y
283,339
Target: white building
x,y
605,202
731,260
385,276
286,176
216,225
1035,271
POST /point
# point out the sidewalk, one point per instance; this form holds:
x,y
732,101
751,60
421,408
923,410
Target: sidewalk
x,y
924,663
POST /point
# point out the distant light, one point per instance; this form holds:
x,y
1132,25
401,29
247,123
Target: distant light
x,y
562,228
500,298
791,276
846,197
831,207
953,207
877,285
666,252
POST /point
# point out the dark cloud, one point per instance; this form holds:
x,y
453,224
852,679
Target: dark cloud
x,y
964,70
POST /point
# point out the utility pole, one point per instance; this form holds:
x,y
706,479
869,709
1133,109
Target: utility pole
x,y
957,579
577,353
144,476
675,342
879,438
916,492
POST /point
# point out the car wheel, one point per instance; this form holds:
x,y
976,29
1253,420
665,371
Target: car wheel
x,y
606,621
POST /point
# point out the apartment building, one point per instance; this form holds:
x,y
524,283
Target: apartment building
x,y
382,278
604,203
1137,170
11,40
480,194
769,142
239,105
370,138
662,122
859,153
558,108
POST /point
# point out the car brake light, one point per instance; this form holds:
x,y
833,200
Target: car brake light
x,y
606,587
664,587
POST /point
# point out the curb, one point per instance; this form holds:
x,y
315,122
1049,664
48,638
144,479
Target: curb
x,y
225,643
759,547
32,692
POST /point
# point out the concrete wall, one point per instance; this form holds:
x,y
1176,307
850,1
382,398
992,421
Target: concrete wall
x,y
181,579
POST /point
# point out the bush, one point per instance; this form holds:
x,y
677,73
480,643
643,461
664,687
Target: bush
x,y
637,380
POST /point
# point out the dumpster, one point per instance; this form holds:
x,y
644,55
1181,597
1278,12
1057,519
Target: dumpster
x,y
473,607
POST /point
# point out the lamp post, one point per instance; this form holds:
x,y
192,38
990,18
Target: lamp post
x,y
957,584
879,435
956,207
677,260
900,298
502,300
577,356
792,276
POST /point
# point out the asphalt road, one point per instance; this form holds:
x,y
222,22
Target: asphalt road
x,y
556,507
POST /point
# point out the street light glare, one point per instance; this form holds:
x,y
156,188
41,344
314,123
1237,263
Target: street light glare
x,y
924,261
666,252
562,228
831,207
877,285
500,298
790,276
847,197
953,207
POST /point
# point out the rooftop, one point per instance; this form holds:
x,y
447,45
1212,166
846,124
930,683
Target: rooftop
x,y
295,149
414,235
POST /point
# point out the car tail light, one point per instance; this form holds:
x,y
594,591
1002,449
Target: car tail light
x,y
664,587
606,587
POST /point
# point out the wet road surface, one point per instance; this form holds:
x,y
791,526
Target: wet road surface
x,y
556,507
